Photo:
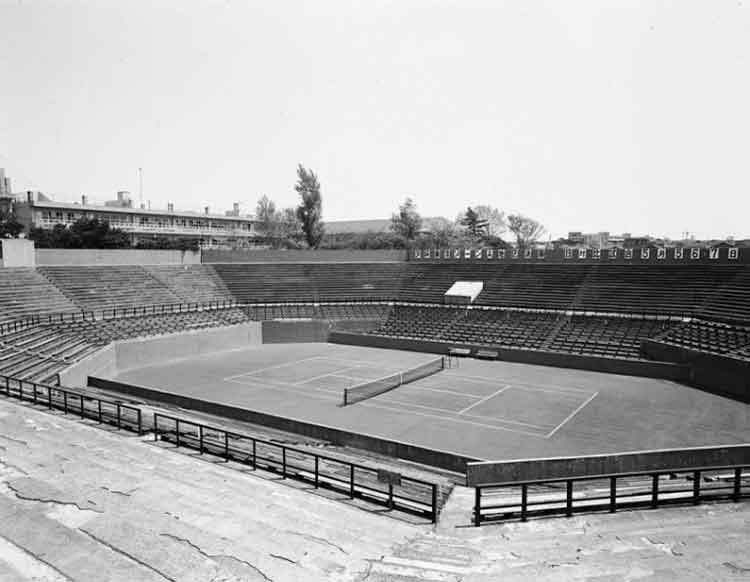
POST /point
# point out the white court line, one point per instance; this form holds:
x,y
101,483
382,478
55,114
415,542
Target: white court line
x,y
332,373
253,372
458,420
517,383
572,414
485,399
416,387
320,394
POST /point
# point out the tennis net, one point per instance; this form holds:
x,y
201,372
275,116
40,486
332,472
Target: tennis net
x,y
381,385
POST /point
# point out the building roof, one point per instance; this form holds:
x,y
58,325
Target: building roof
x,y
125,210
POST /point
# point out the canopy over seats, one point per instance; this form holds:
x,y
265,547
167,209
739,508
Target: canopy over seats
x,y
464,292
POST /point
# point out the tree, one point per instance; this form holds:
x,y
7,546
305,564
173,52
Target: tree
x,y
10,227
310,209
474,225
526,230
267,216
407,223
495,219
83,234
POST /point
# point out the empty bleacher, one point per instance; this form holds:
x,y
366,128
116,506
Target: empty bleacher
x,y
709,337
308,282
191,283
25,292
106,287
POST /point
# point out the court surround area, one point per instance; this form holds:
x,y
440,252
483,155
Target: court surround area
x,y
481,410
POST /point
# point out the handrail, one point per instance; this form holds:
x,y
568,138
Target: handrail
x,y
73,402
252,454
553,502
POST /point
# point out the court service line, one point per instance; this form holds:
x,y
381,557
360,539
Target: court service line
x,y
387,398
331,373
320,394
253,372
485,399
572,414
449,419
416,387
521,384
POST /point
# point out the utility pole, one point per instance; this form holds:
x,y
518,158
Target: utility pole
x,y
140,187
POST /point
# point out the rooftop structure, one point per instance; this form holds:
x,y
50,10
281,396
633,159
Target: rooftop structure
x,y
228,230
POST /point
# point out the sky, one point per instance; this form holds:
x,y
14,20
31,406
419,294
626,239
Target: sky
x,y
619,116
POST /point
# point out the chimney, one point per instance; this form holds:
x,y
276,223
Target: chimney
x,y
206,210
170,206
84,200
236,208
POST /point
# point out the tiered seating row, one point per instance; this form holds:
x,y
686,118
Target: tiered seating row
x,y
584,335
191,283
96,288
710,337
25,292
274,283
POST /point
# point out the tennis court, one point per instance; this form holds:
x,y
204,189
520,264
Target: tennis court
x,y
486,410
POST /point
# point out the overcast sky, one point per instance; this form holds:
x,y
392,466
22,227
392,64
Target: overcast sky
x,y
601,115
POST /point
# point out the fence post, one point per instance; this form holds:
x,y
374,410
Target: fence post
x,y
696,487
612,494
390,495
316,471
477,506
140,425
255,460
119,415
283,462
200,438
434,503
737,483
568,498
351,481
524,501
99,408
80,397
226,446
655,490
177,431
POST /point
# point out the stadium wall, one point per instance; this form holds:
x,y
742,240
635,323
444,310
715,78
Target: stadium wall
x,y
497,472
83,257
100,363
664,370
717,374
434,458
303,256
295,331
137,353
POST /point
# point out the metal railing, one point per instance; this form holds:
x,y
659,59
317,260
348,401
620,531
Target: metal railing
x,y
71,402
648,489
378,486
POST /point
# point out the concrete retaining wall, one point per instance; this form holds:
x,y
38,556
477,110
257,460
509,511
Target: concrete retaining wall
x,y
80,257
488,472
664,370
137,353
336,436
101,363
290,331
303,256
17,252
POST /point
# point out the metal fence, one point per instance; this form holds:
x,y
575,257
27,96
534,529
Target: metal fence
x,y
70,402
379,486
524,499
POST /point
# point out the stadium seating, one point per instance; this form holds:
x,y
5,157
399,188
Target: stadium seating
x,y
275,283
105,287
191,283
25,292
709,337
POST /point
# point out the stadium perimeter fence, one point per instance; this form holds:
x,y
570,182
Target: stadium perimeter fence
x,y
101,410
379,486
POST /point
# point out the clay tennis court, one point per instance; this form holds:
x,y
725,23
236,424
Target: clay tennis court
x,y
484,410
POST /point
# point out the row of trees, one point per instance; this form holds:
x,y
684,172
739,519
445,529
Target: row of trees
x,y
481,224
